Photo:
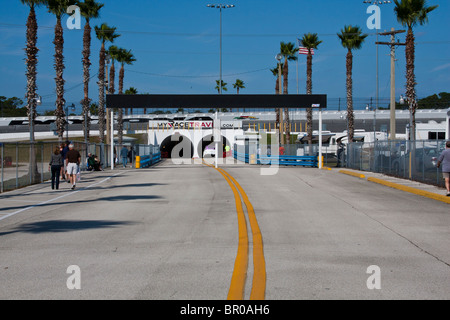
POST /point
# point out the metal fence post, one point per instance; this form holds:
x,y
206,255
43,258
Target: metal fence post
x,y
42,163
3,162
17,165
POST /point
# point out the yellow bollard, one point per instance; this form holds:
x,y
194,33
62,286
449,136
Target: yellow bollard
x,y
318,160
138,162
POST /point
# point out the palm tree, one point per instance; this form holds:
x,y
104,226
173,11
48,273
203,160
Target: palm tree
x,y
31,60
352,39
409,14
89,9
123,57
311,42
289,52
223,85
275,72
113,52
105,34
239,84
59,9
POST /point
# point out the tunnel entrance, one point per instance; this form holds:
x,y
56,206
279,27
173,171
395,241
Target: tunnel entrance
x,y
177,146
206,148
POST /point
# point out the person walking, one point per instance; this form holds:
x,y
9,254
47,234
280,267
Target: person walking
x,y
55,165
130,156
444,160
73,160
124,155
64,149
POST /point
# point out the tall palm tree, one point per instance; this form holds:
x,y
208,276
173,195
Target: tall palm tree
x,y
105,34
351,38
123,57
311,42
289,52
59,9
113,52
31,52
89,9
31,60
409,14
223,85
239,84
275,72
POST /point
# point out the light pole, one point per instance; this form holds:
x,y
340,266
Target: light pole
x,y
108,126
377,3
72,108
38,99
374,109
220,7
217,124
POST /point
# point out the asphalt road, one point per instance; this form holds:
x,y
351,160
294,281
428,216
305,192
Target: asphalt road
x,y
173,232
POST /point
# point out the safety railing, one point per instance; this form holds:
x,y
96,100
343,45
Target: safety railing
x,y
147,160
283,160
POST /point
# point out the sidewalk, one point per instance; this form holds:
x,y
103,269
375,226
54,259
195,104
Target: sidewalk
x,y
414,187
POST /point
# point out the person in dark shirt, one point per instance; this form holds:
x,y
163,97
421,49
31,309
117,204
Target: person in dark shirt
x,y
73,160
55,165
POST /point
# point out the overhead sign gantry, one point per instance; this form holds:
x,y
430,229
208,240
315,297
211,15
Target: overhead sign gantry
x,y
219,101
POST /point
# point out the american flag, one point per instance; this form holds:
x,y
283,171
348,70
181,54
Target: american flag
x,y
303,50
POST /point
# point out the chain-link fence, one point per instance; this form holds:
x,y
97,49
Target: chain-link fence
x,y
414,160
24,164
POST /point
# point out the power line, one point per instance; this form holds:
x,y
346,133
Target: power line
x,y
194,77
69,89
231,35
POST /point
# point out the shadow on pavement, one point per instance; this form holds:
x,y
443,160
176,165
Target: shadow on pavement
x,y
56,226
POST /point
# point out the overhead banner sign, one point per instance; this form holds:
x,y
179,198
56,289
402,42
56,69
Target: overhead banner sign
x,y
189,125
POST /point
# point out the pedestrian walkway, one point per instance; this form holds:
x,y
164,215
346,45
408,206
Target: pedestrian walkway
x,y
418,188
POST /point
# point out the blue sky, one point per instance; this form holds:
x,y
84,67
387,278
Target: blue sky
x,y
176,44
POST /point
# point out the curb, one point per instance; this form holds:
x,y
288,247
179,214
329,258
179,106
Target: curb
x,y
354,174
419,192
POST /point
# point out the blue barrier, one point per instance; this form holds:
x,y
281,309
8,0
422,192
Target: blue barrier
x,y
147,161
304,161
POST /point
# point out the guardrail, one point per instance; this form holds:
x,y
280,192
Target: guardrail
x,y
147,161
304,161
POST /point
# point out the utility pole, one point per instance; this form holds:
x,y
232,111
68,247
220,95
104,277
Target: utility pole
x,y
392,44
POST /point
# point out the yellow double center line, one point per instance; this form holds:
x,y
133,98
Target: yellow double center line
x,y
237,286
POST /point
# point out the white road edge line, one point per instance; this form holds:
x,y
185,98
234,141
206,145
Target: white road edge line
x,y
57,198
